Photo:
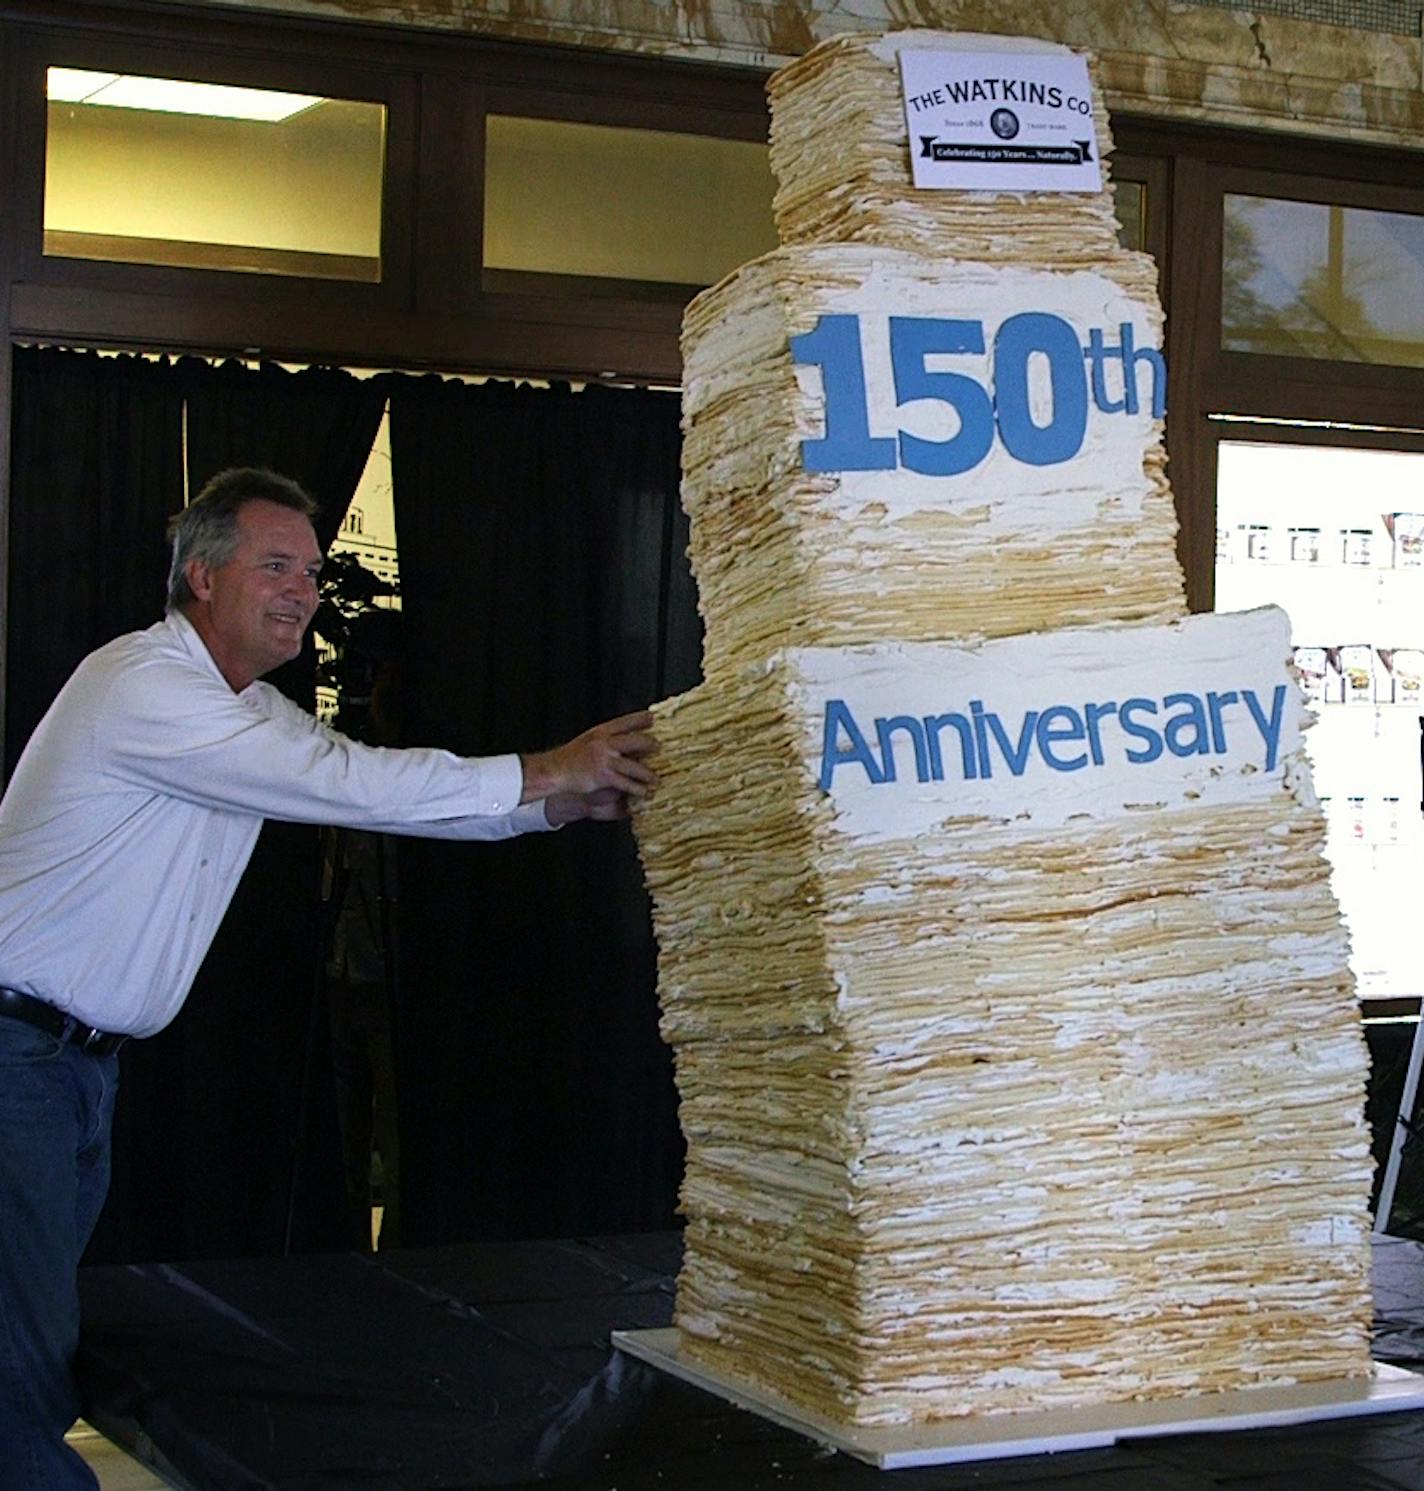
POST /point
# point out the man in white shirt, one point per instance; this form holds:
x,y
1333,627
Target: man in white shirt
x,y
123,833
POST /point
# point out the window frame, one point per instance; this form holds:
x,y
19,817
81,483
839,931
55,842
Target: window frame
x,y
1307,387
395,92
432,307
1153,174
1384,404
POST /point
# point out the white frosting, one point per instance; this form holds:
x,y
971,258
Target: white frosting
x,y
1046,499
1013,676
1329,1232
876,283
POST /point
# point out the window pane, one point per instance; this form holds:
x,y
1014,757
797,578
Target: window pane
x,y
1336,537
155,171
349,662
634,204
1130,200
1310,279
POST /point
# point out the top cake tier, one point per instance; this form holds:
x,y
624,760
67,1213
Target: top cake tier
x,y
933,413
843,172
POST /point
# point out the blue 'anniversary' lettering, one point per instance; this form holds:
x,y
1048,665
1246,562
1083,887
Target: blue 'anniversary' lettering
x,y
1063,737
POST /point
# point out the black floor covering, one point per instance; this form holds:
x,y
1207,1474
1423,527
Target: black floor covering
x,y
489,1365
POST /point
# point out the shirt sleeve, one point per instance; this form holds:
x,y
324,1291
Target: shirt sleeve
x,y
164,727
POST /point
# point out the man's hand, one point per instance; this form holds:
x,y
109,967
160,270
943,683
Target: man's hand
x,y
607,805
610,756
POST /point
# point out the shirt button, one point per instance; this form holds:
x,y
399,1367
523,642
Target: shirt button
x,y
497,805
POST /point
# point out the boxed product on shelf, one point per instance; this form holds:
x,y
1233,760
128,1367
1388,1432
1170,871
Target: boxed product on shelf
x,y
1355,818
1357,545
1334,677
1255,543
1357,668
1313,665
1407,531
1304,545
1405,666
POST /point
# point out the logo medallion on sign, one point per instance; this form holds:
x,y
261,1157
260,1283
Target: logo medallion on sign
x,y
1004,123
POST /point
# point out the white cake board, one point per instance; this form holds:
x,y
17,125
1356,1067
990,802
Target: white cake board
x,y
996,1436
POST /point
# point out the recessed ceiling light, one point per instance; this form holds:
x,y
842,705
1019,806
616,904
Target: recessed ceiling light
x,y
175,96
71,85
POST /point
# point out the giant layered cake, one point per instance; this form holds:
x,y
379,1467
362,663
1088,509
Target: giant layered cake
x,y
1017,1051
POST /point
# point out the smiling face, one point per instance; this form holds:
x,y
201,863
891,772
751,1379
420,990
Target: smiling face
x,y
252,611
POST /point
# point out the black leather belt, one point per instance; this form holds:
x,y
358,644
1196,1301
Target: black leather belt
x,y
56,1023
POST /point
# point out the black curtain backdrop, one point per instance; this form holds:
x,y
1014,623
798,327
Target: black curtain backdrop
x,y
96,470
544,588
315,425
232,1145
217,1111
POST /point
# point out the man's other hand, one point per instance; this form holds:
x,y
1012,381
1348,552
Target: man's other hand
x,y
607,805
609,756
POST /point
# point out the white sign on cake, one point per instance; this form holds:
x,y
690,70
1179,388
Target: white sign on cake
x,y
1000,121
1090,723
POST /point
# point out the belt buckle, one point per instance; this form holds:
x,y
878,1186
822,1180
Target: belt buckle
x,y
94,1040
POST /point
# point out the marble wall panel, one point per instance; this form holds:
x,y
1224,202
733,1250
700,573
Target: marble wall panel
x,y
1233,67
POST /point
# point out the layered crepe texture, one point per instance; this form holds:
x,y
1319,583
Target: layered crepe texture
x,y
1007,1083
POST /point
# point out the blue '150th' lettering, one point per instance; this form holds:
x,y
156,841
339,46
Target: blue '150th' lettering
x,y
1065,738
1076,372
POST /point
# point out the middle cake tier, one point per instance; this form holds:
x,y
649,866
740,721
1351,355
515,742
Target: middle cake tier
x,y
882,444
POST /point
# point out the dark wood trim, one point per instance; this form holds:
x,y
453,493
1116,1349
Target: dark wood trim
x,y
450,314
448,226
711,98
1205,379
1396,1007
631,111
1194,287
570,339
120,248
527,284
1306,387
1334,435
1335,187
24,110
1155,174
1265,150
1296,388
242,62
1234,368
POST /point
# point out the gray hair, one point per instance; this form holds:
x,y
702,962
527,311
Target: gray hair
x,y
207,528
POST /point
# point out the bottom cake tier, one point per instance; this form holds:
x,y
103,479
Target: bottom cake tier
x,y
1008,1081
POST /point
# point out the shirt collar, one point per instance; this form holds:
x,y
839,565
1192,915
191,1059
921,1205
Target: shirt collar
x,y
188,638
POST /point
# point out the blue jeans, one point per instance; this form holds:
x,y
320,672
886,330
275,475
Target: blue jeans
x,y
56,1112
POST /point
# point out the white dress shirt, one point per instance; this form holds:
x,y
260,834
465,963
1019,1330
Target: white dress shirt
x,y
135,807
